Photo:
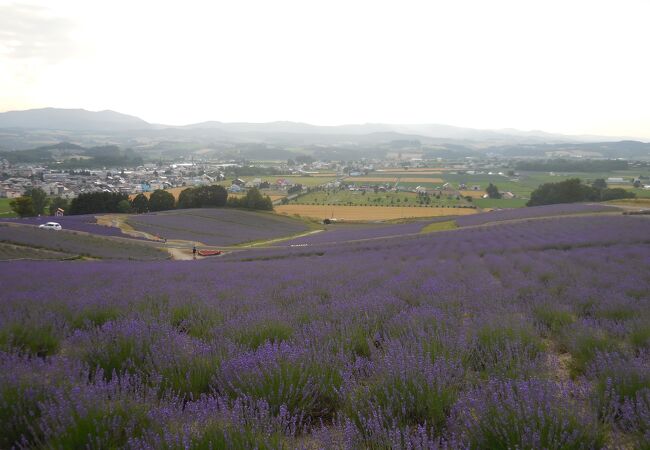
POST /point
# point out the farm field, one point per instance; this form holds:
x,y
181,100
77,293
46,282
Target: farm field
x,y
393,179
86,223
344,232
498,203
9,252
402,172
561,209
78,244
516,335
216,226
366,213
310,181
361,198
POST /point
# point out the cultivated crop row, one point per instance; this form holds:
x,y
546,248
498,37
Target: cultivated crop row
x,y
522,335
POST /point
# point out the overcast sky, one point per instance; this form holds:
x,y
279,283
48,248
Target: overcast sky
x,y
568,66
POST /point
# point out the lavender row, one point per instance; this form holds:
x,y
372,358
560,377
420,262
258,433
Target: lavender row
x,y
217,226
85,223
351,232
528,335
533,212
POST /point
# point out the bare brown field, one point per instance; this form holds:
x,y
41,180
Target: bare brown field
x,y
360,213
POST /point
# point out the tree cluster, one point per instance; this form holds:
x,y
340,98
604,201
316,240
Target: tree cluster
x,y
140,204
573,190
161,200
97,202
493,191
252,200
203,197
33,203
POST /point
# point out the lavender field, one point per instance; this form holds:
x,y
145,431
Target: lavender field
x,y
342,232
216,226
560,209
86,223
72,243
518,335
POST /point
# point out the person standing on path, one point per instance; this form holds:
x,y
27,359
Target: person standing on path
x,y
194,251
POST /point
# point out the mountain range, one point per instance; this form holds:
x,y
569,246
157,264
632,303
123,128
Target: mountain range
x,y
37,127
83,120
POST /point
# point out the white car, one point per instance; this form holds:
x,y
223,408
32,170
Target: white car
x,y
50,226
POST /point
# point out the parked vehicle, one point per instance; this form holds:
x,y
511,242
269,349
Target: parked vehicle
x,y
50,226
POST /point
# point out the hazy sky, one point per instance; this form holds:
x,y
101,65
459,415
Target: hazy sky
x,y
569,66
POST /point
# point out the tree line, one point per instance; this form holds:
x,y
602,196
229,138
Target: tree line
x,y
565,165
35,201
574,190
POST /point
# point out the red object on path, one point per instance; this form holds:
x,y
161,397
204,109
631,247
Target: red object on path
x,y
209,252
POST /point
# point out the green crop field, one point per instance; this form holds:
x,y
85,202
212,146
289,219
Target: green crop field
x,y
500,203
5,209
356,198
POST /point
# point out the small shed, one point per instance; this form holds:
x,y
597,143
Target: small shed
x,y
59,212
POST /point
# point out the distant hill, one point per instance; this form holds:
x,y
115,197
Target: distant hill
x,y
71,120
423,130
73,156
36,128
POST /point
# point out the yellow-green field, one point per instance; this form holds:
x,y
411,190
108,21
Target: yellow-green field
x,y
366,213
390,179
5,209
439,226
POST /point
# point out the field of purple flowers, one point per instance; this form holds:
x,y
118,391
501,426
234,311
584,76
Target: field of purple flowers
x,y
79,244
537,211
216,226
85,223
520,335
342,232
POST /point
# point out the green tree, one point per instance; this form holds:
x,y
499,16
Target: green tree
x,y
140,203
615,194
599,184
187,199
203,197
493,191
96,202
23,206
124,206
161,201
58,202
39,200
567,191
211,196
252,200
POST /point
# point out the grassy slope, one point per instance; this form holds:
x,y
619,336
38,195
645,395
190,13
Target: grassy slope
x,y
5,210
